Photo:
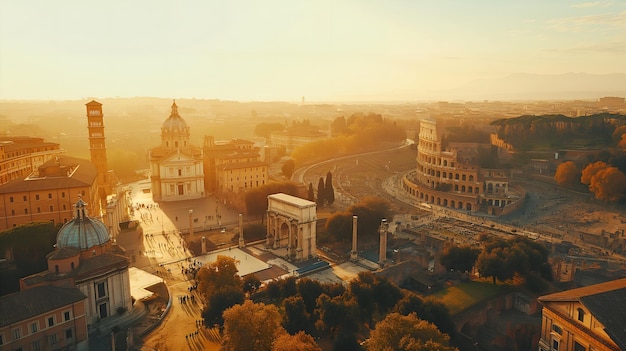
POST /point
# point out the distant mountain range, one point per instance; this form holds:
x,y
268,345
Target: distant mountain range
x,y
524,86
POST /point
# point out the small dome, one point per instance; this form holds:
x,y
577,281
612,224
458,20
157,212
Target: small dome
x,y
82,232
174,123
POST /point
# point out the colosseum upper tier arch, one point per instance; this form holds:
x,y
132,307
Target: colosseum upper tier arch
x,y
450,177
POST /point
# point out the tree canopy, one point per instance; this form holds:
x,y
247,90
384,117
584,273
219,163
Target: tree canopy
x,y
407,333
370,211
251,327
459,258
502,259
256,198
362,132
567,174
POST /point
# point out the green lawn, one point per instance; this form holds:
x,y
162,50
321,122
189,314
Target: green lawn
x,y
460,297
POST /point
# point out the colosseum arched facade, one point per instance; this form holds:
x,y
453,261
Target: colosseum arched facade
x,y
450,178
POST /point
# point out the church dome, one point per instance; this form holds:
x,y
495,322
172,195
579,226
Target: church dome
x,y
82,232
174,124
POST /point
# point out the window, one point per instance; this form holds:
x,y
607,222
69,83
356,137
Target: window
x,y
25,198
17,333
68,333
101,290
37,197
49,195
555,345
52,339
51,208
50,321
34,327
579,347
581,314
38,209
63,194
11,199
1,340
35,346
66,315
557,329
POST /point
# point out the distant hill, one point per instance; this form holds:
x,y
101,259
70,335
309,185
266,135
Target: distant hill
x,y
523,86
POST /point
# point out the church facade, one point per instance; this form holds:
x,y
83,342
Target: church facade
x,y
176,166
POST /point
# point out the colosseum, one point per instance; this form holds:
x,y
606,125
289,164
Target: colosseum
x,y
449,177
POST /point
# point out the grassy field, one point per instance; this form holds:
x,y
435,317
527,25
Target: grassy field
x,y
460,297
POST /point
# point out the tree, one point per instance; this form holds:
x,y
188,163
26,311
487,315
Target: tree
x,y
338,126
251,284
332,313
311,194
492,264
298,342
409,303
567,174
309,290
329,191
295,317
220,273
591,170
256,198
459,258
220,300
436,312
339,226
398,332
251,327
288,167
321,194
608,184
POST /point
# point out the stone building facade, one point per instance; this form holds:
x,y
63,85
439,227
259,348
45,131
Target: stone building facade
x,y
176,166
449,177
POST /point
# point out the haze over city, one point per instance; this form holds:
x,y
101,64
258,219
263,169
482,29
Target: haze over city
x,y
322,50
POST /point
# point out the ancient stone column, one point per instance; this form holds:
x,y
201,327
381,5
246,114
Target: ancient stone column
x,y
242,244
354,253
382,256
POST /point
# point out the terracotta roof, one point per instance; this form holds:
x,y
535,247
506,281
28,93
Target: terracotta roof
x,y
87,268
610,309
605,301
576,294
33,302
84,174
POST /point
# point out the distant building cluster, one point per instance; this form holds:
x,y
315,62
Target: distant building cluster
x,y
180,170
39,183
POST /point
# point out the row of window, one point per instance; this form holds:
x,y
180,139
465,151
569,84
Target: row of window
x,y
16,332
38,209
25,198
444,175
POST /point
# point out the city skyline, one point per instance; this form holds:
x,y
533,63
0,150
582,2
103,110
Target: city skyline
x,y
281,50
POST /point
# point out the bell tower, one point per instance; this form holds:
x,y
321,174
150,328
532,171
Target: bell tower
x,y
97,148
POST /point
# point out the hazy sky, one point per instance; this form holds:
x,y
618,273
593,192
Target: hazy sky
x,y
285,49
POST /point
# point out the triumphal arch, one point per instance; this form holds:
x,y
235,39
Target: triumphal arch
x,y
291,225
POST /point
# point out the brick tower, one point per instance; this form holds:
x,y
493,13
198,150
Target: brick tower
x,y
97,147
